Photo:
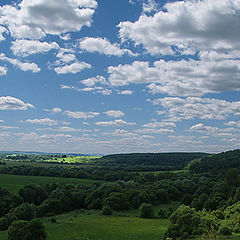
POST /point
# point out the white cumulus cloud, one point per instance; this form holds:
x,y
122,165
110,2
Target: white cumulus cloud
x,y
35,19
103,46
115,113
195,107
83,115
202,25
12,103
73,68
29,47
43,121
24,66
117,122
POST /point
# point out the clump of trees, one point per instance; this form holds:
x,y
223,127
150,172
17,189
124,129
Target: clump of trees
x,y
146,210
24,230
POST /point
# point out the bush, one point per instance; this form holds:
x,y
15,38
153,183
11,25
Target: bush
x,y
3,224
53,220
146,211
106,210
224,230
17,230
24,230
165,212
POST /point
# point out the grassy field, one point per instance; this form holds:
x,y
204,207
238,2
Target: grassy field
x,y
75,159
14,182
93,226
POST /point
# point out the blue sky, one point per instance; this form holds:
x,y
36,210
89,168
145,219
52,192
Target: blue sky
x,y
89,76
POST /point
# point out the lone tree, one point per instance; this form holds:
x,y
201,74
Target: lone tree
x,y
24,230
146,210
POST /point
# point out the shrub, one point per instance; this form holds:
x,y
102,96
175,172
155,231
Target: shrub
x,y
224,230
106,210
146,211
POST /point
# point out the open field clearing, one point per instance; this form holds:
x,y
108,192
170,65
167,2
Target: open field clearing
x,y
14,182
92,225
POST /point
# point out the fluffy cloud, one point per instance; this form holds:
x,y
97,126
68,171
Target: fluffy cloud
x,y
89,82
137,73
94,89
69,129
233,124
28,47
2,30
3,71
154,131
12,103
83,115
24,66
102,46
115,113
66,55
223,134
202,25
159,124
43,121
125,92
8,127
74,68
118,122
150,6
121,133
194,107
56,110
35,19
181,78
202,128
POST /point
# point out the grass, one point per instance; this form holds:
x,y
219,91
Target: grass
x,y
14,182
77,159
93,226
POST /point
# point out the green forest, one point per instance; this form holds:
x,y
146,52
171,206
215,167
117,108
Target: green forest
x,y
121,196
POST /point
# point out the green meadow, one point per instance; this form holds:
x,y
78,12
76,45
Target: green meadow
x,y
78,225
14,182
92,225
75,159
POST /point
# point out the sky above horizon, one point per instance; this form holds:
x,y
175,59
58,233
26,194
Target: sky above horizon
x,y
100,77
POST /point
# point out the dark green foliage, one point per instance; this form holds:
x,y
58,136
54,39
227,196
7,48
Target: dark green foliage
x,y
106,210
17,230
232,177
117,201
167,160
146,210
3,224
35,230
186,221
135,202
224,229
24,230
165,212
8,201
53,220
216,163
174,193
25,211
33,194
162,195
187,199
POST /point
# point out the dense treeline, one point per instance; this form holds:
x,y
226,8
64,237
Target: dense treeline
x,y
210,200
58,171
29,157
167,160
217,163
